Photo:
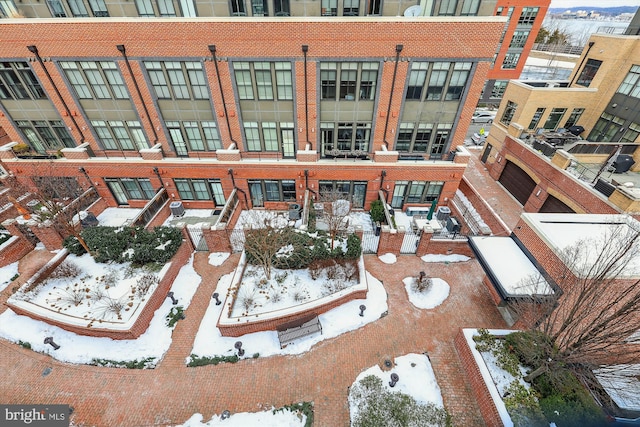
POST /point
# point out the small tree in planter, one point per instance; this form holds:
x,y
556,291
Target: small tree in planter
x,y
336,213
377,211
422,283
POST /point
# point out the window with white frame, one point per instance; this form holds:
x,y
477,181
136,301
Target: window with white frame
x,y
17,81
189,136
188,8
270,137
349,81
95,80
264,81
631,84
120,135
177,79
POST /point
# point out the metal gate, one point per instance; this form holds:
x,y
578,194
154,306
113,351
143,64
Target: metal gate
x,y
197,238
236,238
370,242
28,234
410,242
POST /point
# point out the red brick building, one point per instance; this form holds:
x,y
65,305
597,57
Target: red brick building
x,y
270,107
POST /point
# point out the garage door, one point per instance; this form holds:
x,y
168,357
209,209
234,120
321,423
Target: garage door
x,y
553,205
517,182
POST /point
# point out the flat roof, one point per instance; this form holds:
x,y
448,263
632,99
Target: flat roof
x,y
508,267
598,234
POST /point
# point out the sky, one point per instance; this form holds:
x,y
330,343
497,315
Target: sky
x,y
592,3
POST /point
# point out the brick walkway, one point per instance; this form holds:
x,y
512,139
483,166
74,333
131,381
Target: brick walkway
x,y
171,393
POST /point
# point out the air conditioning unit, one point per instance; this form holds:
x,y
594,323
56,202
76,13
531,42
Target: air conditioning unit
x,y
177,209
443,213
453,226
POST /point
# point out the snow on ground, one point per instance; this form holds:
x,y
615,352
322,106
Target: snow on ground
x,y
217,258
444,258
437,293
388,258
283,418
416,378
82,349
6,273
209,341
115,217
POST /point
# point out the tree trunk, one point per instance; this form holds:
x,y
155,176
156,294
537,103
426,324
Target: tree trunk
x,y
536,373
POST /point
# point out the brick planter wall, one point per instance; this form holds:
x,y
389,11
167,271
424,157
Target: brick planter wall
x,y
13,250
488,215
427,245
476,382
142,322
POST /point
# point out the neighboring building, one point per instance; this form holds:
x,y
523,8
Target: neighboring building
x,y
272,107
524,21
602,95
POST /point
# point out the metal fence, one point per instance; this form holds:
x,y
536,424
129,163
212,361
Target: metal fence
x,y
237,238
197,237
410,242
370,241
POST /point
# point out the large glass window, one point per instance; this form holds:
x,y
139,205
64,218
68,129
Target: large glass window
x,y
120,135
166,8
356,80
281,7
345,139
528,15
8,9
470,7
443,80
354,191
519,39
351,8
270,137
188,8
606,128
631,83
329,7
447,7
259,8
588,72
177,80
263,79
499,86
95,80
238,8
631,133
418,192
573,117
510,61
125,189
78,9
535,120
508,113
375,7
193,189
554,118
99,8
271,190
145,8
56,8
193,136
46,135
17,81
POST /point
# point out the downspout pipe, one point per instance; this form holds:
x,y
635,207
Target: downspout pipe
x,y
581,62
233,182
399,48
157,172
305,49
86,175
306,182
212,49
34,49
383,173
123,51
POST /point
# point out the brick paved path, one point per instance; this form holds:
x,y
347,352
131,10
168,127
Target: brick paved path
x,y
171,393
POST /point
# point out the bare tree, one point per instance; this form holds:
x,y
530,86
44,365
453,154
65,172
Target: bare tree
x,y
264,237
61,200
335,213
593,321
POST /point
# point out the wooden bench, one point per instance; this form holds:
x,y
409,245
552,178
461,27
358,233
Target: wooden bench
x,y
300,328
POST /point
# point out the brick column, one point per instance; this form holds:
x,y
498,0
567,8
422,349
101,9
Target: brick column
x,y
47,234
217,239
185,235
425,240
390,240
